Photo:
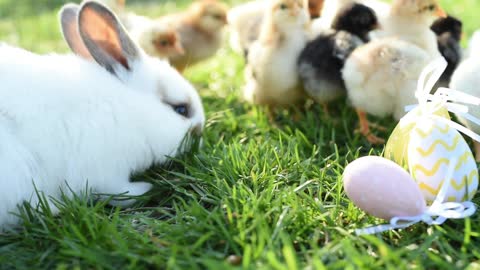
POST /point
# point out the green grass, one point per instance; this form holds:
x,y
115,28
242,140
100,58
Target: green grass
x,y
256,196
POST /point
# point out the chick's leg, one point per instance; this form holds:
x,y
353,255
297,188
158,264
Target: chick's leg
x,y
365,129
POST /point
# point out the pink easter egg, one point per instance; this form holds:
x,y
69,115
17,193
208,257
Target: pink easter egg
x,y
382,188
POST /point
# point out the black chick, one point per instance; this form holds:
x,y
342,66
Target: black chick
x,y
321,62
449,34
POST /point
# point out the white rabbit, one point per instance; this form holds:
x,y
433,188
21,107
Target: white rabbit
x,y
95,117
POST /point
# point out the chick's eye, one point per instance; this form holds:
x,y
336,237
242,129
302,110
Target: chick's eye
x,y
218,17
283,6
181,109
431,7
164,43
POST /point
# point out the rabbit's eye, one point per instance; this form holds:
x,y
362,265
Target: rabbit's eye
x,y
164,43
181,109
218,17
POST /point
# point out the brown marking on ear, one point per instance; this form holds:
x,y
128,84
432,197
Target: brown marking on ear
x,y
105,38
102,32
115,53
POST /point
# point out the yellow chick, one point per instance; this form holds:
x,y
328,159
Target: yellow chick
x,y
200,30
410,20
157,39
245,20
244,23
271,72
381,79
381,76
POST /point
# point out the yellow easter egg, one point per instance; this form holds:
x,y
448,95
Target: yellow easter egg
x,y
396,148
432,145
397,144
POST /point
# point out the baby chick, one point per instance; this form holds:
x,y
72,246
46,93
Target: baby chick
x,y
244,24
245,21
157,39
271,71
200,30
449,34
466,79
322,60
410,20
331,9
381,79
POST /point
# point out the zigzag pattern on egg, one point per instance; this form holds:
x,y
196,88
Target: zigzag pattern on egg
x,y
429,131
463,186
431,147
464,158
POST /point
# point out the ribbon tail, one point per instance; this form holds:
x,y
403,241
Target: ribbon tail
x,y
435,68
458,96
382,228
394,224
458,127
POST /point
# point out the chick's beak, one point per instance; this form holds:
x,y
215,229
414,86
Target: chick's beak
x,y
441,13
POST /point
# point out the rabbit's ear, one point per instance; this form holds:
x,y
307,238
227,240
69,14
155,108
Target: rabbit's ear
x,y
68,21
105,38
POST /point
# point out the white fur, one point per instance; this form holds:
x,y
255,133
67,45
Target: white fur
x,y
63,118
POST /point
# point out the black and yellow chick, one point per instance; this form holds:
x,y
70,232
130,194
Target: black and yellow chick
x,y
321,62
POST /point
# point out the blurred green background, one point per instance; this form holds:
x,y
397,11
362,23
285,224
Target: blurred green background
x,y
32,23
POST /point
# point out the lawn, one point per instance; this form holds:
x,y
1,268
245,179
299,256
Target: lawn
x,y
255,196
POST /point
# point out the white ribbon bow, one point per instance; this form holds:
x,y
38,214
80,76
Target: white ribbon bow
x,y
454,101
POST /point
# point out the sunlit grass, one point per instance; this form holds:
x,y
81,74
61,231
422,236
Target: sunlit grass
x,y
255,196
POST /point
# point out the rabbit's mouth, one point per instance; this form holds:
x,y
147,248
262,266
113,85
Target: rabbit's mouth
x,y
197,130
192,142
